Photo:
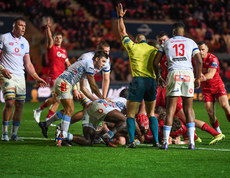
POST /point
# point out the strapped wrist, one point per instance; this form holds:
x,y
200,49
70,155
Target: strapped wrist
x,y
119,17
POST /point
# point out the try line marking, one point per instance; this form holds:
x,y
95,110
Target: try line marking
x,y
170,146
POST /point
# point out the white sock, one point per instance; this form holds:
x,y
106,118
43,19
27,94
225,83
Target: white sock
x,y
65,123
218,129
166,132
191,130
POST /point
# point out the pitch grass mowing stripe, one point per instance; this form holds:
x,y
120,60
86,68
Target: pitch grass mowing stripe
x,y
172,146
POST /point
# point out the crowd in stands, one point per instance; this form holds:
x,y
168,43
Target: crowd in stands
x,y
207,20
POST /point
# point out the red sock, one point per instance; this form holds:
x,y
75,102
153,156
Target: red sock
x,y
216,124
50,114
195,137
228,117
43,106
209,129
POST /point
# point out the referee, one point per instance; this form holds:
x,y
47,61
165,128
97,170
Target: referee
x,y
143,85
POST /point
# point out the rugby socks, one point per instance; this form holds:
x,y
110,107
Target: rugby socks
x,y
5,126
228,117
166,132
216,126
131,128
15,126
209,129
65,123
57,116
43,106
69,136
50,114
153,124
191,130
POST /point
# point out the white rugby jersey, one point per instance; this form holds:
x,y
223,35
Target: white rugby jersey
x,y
89,55
118,103
78,71
179,51
13,51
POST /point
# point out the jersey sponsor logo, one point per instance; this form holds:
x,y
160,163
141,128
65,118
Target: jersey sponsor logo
x,y
214,64
16,50
180,59
11,43
7,84
190,90
177,90
22,46
100,111
179,78
59,54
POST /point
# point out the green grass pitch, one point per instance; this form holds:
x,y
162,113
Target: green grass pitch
x,y
39,157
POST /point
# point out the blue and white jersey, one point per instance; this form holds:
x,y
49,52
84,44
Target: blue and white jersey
x,y
179,51
89,55
13,52
78,71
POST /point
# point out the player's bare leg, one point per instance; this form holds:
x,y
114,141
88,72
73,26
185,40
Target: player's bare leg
x,y
190,119
223,100
76,117
171,102
6,116
17,116
69,109
210,108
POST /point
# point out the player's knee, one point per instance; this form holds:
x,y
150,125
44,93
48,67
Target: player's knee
x,y
9,104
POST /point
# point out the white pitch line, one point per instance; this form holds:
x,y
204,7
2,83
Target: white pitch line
x,y
171,146
36,138
196,148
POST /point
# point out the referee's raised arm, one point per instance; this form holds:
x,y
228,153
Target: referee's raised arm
x,y
121,25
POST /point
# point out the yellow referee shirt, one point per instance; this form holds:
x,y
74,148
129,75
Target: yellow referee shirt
x,y
141,56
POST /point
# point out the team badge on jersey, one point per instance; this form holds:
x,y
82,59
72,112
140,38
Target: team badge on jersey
x,y
16,50
7,84
214,64
11,43
22,46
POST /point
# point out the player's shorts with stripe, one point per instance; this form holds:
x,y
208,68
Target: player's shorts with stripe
x,y
213,93
180,83
63,89
142,88
14,88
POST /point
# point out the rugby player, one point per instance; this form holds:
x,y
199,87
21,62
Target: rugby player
x,y
58,62
15,57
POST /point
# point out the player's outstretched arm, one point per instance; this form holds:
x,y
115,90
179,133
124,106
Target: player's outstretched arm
x,y
83,88
121,25
93,86
50,41
30,69
105,84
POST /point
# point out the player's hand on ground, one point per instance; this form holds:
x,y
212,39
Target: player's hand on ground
x,y
120,11
76,94
6,73
41,82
